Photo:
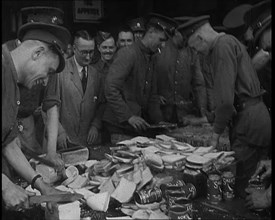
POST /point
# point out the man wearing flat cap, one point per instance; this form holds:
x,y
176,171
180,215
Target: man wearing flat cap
x,y
130,87
258,18
138,27
237,96
37,57
180,82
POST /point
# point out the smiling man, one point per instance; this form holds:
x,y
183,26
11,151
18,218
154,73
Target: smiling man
x,y
32,62
80,91
106,46
125,37
130,90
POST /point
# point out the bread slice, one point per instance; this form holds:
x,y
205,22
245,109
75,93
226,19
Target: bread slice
x,y
124,191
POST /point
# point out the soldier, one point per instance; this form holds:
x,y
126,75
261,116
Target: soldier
x,y
237,96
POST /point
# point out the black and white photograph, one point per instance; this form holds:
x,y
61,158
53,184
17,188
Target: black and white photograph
x,y
136,109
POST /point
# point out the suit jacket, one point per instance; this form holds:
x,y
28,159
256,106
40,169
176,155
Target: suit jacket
x,y
79,111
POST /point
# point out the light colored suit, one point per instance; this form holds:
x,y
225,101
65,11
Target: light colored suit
x,y
79,111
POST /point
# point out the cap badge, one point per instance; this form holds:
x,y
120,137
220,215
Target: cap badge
x,y
138,24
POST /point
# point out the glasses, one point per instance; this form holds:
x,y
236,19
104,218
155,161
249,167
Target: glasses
x,y
85,52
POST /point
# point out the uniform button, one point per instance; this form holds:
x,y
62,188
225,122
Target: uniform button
x,y
11,128
146,83
21,128
176,71
178,61
176,82
175,92
18,102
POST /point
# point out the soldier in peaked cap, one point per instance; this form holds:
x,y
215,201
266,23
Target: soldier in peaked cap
x,y
238,96
180,81
138,27
132,102
258,18
38,56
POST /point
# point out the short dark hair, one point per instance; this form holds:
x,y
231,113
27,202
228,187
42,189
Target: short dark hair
x,y
83,34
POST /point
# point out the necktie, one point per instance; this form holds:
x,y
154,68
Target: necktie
x,y
84,79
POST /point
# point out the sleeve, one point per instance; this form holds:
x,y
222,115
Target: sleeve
x,y
225,72
118,73
154,111
198,84
51,93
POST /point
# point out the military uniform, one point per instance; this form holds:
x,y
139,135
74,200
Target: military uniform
x,y
130,88
180,82
238,101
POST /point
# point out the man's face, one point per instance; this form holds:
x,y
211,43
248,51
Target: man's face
x,y
107,49
196,43
158,39
125,39
42,66
138,35
84,51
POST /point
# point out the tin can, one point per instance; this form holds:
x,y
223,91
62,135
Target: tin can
x,y
148,196
214,192
190,191
182,209
228,185
172,186
256,185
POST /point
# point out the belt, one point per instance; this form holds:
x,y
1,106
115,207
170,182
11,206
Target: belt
x,y
242,105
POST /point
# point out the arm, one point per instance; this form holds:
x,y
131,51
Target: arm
x,y
51,103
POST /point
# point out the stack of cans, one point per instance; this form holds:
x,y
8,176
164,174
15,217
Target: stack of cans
x,y
220,187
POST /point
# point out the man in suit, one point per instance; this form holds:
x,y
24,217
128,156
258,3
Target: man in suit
x,y
80,91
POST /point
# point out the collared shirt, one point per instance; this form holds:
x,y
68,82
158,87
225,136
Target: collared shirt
x,y
10,98
79,68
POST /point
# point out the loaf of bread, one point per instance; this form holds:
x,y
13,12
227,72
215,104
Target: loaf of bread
x,y
124,191
68,211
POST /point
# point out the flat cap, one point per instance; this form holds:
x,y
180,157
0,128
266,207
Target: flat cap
x,y
44,24
189,27
102,36
168,25
259,18
235,17
137,24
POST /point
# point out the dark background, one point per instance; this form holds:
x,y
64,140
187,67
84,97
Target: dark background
x,y
118,11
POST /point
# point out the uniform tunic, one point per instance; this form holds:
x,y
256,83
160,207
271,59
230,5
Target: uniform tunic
x,y
130,86
238,100
180,80
10,98
79,111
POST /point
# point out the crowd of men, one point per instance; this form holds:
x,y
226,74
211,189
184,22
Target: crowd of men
x,y
156,70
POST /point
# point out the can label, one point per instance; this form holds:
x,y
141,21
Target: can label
x,y
214,185
148,196
191,190
228,184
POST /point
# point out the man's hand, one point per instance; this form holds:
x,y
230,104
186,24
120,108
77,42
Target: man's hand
x,y
92,135
263,165
56,160
138,123
62,140
196,121
162,100
260,59
214,141
257,199
15,197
